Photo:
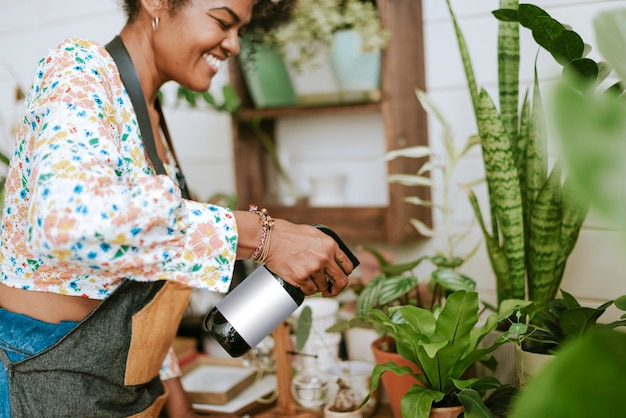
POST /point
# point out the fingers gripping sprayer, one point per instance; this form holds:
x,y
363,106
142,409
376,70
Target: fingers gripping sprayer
x,y
253,309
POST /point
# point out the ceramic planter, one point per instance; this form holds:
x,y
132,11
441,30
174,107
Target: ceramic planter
x,y
529,364
267,77
395,386
329,413
505,355
356,339
357,72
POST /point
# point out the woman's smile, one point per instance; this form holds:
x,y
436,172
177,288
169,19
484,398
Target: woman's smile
x,y
213,61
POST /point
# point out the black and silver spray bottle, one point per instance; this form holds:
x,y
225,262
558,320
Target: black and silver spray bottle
x,y
253,309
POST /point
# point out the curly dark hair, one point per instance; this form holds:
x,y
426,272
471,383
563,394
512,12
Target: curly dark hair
x,y
266,14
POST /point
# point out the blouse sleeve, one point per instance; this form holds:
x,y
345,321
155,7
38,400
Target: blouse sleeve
x,y
170,367
86,206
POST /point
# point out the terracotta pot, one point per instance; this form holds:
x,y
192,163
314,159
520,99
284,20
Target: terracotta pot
x,y
395,386
446,412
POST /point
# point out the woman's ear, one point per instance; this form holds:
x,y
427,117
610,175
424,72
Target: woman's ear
x,y
154,8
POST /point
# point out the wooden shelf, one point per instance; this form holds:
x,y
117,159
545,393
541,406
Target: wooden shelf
x,y
283,112
404,125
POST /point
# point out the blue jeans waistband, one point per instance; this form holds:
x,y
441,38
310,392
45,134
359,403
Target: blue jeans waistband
x,y
21,337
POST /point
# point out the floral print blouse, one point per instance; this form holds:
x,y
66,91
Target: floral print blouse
x,y
83,207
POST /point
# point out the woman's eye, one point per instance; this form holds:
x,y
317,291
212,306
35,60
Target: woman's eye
x,y
223,24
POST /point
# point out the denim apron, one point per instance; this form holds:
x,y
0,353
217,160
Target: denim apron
x,y
106,366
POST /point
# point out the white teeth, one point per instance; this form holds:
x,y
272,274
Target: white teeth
x,y
212,60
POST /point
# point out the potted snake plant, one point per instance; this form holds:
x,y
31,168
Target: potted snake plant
x,y
595,128
536,216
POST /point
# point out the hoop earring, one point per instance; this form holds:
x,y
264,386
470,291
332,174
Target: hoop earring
x,y
155,23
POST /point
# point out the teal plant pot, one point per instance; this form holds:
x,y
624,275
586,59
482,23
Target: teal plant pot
x,y
357,72
266,76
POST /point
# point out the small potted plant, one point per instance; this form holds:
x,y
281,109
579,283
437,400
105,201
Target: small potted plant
x,y
444,346
563,321
314,24
332,49
345,403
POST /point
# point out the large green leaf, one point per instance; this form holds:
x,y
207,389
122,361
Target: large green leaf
x,y
575,206
383,290
497,256
504,188
473,405
467,61
303,327
418,401
545,241
508,72
453,280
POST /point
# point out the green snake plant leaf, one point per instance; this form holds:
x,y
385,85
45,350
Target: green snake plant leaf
x,y
536,150
497,256
575,206
522,143
544,237
467,61
508,72
503,180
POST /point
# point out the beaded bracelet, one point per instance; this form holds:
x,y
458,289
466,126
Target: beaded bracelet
x,y
262,251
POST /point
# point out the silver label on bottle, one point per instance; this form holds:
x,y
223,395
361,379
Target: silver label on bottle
x,y
257,306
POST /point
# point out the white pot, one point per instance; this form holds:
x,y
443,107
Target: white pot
x,y
314,84
505,355
358,343
328,413
529,364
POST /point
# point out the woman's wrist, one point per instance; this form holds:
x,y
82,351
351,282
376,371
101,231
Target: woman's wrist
x,y
261,252
249,233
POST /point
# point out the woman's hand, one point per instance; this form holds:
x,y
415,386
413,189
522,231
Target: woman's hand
x,y
308,258
300,254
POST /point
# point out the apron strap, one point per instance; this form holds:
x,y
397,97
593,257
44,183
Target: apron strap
x,y
129,77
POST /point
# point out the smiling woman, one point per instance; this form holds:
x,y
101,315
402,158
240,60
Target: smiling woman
x,y
101,241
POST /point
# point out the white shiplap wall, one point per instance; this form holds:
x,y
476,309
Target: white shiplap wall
x,y
596,269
